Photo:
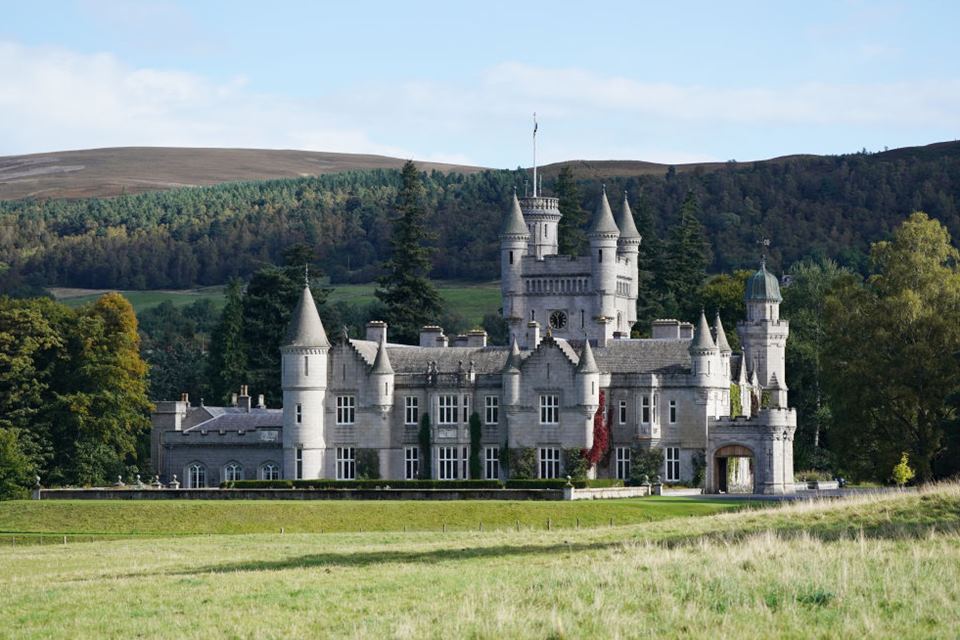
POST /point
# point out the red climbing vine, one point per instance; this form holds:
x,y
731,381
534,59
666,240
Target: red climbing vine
x,y
601,434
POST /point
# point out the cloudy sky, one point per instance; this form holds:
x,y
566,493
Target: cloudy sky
x,y
451,81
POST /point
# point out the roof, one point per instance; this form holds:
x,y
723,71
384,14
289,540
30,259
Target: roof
x,y
721,335
413,359
628,228
602,221
237,419
644,356
588,363
702,340
305,328
382,362
763,286
513,223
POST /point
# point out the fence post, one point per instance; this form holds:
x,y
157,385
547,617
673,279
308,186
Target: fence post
x,y
549,524
518,525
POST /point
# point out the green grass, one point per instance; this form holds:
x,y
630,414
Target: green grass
x,y
872,567
471,300
162,517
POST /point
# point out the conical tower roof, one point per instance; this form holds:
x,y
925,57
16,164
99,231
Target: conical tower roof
x,y
602,221
587,364
513,360
628,228
305,328
382,362
702,340
513,223
722,343
742,379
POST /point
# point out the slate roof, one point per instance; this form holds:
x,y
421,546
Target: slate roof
x,y
237,419
305,328
628,228
513,223
602,221
644,356
412,359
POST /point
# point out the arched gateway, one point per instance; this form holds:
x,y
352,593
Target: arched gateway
x,y
764,441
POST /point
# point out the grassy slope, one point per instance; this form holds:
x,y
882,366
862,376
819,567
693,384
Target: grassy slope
x,y
471,300
884,567
222,517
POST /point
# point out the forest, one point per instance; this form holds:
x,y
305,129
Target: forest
x,y
808,206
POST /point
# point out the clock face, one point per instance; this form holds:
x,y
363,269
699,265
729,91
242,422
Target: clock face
x,y
558,319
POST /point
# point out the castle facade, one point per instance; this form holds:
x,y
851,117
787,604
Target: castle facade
x,y
355,408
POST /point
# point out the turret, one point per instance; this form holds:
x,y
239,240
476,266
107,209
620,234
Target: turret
x,y
588,379
703,352
628,248
514,238
541,215
603,235
722,345
511,376
304,382
764,334
382,377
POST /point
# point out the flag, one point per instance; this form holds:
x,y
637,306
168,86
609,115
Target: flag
x,y
534,124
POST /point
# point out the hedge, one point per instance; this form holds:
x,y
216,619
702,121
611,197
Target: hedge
x,y
321,483
555,483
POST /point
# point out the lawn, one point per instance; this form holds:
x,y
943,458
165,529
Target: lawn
x,y
163,517
469,299
872,567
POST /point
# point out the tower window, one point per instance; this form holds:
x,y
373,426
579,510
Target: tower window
x,y
299,413
599,255
511,257
306,365
544,232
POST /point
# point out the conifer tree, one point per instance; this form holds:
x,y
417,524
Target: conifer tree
x,y
228,351
572,238
649,306
410,298
685,262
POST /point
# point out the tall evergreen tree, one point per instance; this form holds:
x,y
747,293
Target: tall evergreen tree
x,y
572,238
410,298
649,304
227,364
686,262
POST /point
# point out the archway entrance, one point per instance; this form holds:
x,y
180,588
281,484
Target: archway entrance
x,y
734,469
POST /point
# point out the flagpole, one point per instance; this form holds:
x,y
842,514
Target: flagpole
x,y
534,154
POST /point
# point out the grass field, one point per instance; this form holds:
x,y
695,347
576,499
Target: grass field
x,y
873,567
471,300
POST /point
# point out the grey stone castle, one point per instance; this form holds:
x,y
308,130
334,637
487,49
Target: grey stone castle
x,y
353,408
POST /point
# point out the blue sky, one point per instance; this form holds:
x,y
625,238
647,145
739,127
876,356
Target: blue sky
x,y
660,81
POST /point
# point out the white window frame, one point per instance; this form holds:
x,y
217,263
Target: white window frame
x,y
623,462
411,463
411,410
548,459
655,407
346,409
673,412
346,463
671,462
491,463
465,464
196,476
270,471
232,471
550,408
645,409
623,412
466,410
447,409
299,413
299,461
447,463
491,410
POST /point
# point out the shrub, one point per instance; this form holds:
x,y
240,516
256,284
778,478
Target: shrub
x,y
523,463
476,432
322,483
553,483
576,463
902,473
645,462
736,406
812,475
699,469
15,467
368,464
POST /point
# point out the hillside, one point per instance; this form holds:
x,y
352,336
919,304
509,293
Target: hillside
x,y
109,172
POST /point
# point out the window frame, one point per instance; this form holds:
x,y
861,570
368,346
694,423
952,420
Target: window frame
x,y
411,405
622,412
549,408
672,409
411,463
299,414
671,462
269,475
491,463
645,409
346,409
232,471
448,409
623,461
196,476
548,463
346,463
447,464
491,407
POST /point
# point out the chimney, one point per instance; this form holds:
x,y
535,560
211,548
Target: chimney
x,y
666,329
533,334
185,397
377,330
261,404
477,338
243,401
233,400
432,336
686,331
460,341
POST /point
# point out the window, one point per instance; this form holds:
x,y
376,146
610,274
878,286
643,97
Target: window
x,y
549,408
491,410
623,412
447,413
466,409
346,409
411,410
299,413
623,463
270,471
673,464
673,412
645,410
599,255
465,464
232,472
447,463
411,463
491,463
549,463
196,476
299,463
346,463
306,366
511,257
656,401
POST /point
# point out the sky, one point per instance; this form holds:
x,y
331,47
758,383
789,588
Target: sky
x,y
673,82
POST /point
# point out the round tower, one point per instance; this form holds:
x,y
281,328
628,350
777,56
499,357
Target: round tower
x,y
542,217
304,383
704,354
382,377
514,239
764,334
628,248
604,234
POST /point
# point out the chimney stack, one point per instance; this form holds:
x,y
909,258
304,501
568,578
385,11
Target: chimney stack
x,y
477,338
243,400
432,336
261,404
377,331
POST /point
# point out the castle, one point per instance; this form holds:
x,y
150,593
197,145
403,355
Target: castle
x,y
354,408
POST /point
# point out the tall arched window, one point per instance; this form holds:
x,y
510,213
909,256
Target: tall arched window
x,y
270,471
196,476
232,472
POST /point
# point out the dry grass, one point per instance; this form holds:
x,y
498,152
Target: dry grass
x,y
876,567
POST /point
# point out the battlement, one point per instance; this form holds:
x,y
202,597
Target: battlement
x,y
541,205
